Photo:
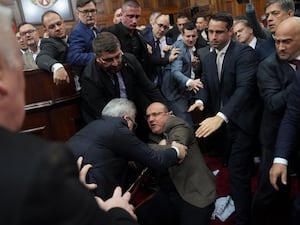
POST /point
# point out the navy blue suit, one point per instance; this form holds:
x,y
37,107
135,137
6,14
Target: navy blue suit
x,y
80,50
288,135
108,145
236,96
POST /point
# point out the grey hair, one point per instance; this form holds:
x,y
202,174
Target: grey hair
x,y
8,42
286,5
119,107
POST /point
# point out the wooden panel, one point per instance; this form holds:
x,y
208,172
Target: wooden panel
x,y
52,111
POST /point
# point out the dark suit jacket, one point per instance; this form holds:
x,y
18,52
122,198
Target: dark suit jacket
x,y
52,50
80,50
237,91
173,33
108,145
274,78
197,188
97,88
288,135
41,186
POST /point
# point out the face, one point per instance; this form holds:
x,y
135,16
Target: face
x,y
287,41
130,17
117,16
54,26
189,37
110,62
181,22
201,23
87,14
218,34
21,42
243,33
275,15
12,85
29,34
160,27
157,115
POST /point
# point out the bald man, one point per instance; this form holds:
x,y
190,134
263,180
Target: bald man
x,y
275,76
176,202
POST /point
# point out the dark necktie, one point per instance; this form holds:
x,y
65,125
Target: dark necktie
x,y
157,52
116,85
157,48
295,62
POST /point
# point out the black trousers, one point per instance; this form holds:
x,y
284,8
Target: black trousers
x,y
269,207
169,208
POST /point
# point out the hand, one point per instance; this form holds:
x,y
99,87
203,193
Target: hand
x,y
208,126
278,170
60,76
163,142
195,85
174,54
149,48
198,106
117,201
167,48
83,172
182,149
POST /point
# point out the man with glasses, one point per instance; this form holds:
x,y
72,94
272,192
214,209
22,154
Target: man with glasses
x,y
161,47
31,37
110,143
81,37
176,202
113,74
54,49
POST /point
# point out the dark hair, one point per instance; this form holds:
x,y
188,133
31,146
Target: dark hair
x,y
285,5
81,3
48,12
224,17
131,4
22,24
242,19
188,26
198,15
105,42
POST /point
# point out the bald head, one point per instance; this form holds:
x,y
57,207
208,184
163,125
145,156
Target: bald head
x,y
287,38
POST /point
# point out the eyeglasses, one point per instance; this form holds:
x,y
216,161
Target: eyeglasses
x,y
155,114
52,26
27,32
87,11
133,16
112,59
163,26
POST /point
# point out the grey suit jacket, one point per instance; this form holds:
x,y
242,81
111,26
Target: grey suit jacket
x,y
192,178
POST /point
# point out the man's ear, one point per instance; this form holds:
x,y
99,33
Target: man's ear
x,y
3,90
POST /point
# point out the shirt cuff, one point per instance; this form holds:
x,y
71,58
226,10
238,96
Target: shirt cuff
x,y
198,101
56,66
222,115
177,151
280,161
188,83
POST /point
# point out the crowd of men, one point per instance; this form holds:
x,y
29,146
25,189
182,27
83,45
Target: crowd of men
x,y
237,74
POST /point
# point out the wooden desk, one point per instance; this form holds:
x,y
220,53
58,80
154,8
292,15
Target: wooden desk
x,y
52,111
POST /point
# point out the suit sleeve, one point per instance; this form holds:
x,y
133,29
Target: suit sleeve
x,y
46,57
57,195
270,87
290,125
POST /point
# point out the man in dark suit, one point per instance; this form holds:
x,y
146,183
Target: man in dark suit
x,y
275,11
53,49
81,38
114,74
175,32
187,190
162,50
201,24
230,98
287,145
40,179
275,76
109,143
